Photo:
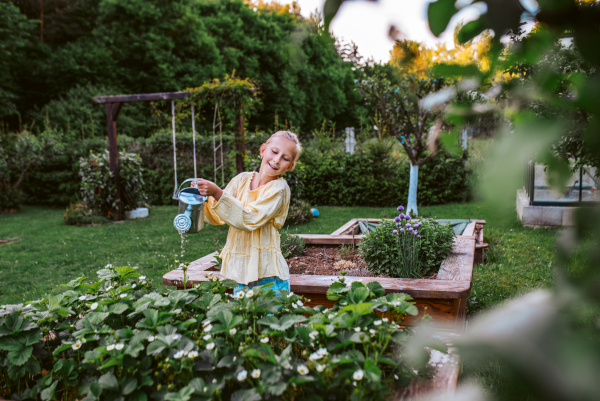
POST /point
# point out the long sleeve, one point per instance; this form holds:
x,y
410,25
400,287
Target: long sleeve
x,y
209,214
256,214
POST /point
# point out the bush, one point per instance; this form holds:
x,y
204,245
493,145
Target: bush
x,y
403,254
377,176
10,198
298,213
78,214
292,245
120,337
97,185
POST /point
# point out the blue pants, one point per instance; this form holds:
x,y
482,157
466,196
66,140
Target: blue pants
x,y
278,284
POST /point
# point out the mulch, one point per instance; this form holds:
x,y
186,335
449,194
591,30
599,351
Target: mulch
x,y
321,261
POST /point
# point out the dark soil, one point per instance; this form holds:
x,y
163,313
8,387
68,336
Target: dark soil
x,y
321,261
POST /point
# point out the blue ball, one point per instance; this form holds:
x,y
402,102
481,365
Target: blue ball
x,y
315,212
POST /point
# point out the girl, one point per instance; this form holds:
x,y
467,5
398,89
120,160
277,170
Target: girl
x,y
255,206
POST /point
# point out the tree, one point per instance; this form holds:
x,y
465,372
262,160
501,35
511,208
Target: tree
x,y
407,117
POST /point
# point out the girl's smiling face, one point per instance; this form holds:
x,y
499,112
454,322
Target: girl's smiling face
x,y
277,156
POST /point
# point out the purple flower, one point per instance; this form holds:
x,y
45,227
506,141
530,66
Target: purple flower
x,y
395,231
401,215
419,224
415,232
400,208
401,230
407,217
398,224
410,230
407,225
418,236
397,218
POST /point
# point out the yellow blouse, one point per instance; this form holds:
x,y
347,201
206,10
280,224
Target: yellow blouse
x,y
253,249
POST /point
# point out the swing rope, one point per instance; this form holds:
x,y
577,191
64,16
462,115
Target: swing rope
x,y
194,139
215,147
174,148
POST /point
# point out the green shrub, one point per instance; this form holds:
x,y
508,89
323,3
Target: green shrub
x,y
98,190
79,214
120,337
298,213
10,198
292,245
391,250
377,176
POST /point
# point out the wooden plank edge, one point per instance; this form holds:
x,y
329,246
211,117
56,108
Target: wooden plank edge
x,y
342,229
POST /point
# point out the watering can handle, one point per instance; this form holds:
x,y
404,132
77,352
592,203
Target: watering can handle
x,y
179,189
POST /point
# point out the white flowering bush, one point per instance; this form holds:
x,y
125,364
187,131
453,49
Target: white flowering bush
x,y
121,338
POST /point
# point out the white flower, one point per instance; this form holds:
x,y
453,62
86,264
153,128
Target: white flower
x,y
313,334
234,358
109,288
358,375
250,294
385,319
208,328
264,340
291,294
83,340
242,375
176,336
133,285
206,323
357,329
303,370
214,381
193,354
300,303
77,345
325,310
320,367
186,352
108,265
210,346
240,295
110,347
322,351
396,377
372,331
206,337
82,298
232,331
142,278
315,356
119,346
331,316
178,355
255,373
150,339
94,306
294,305
123,295
377,322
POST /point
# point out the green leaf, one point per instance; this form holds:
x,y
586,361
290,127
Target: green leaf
x,y
229,283
439,14
108,381
48,392
372,372
128,385
246,395
118,308
106,274
471,29
156,347
376,288
126,272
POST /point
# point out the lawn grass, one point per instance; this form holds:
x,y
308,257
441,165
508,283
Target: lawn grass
x,y
50,253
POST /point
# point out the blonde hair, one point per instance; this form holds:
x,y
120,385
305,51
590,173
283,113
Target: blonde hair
x,y
292,137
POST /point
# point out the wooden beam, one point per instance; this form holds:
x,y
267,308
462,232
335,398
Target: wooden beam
x,y
144,97
112,113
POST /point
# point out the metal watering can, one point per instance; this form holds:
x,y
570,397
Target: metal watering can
x,y
191,209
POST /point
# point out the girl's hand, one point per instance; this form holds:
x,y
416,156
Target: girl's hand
x,y
207,188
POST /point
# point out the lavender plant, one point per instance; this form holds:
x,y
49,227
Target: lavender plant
x,y
404,248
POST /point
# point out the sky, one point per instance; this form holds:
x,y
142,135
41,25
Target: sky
x,y
367,23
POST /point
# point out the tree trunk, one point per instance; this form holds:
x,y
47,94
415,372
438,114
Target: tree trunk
x,y
411,207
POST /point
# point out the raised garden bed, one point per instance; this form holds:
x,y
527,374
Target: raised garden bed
x,y
443,298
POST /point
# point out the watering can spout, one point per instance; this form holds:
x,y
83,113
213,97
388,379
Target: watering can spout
x,y
191,209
